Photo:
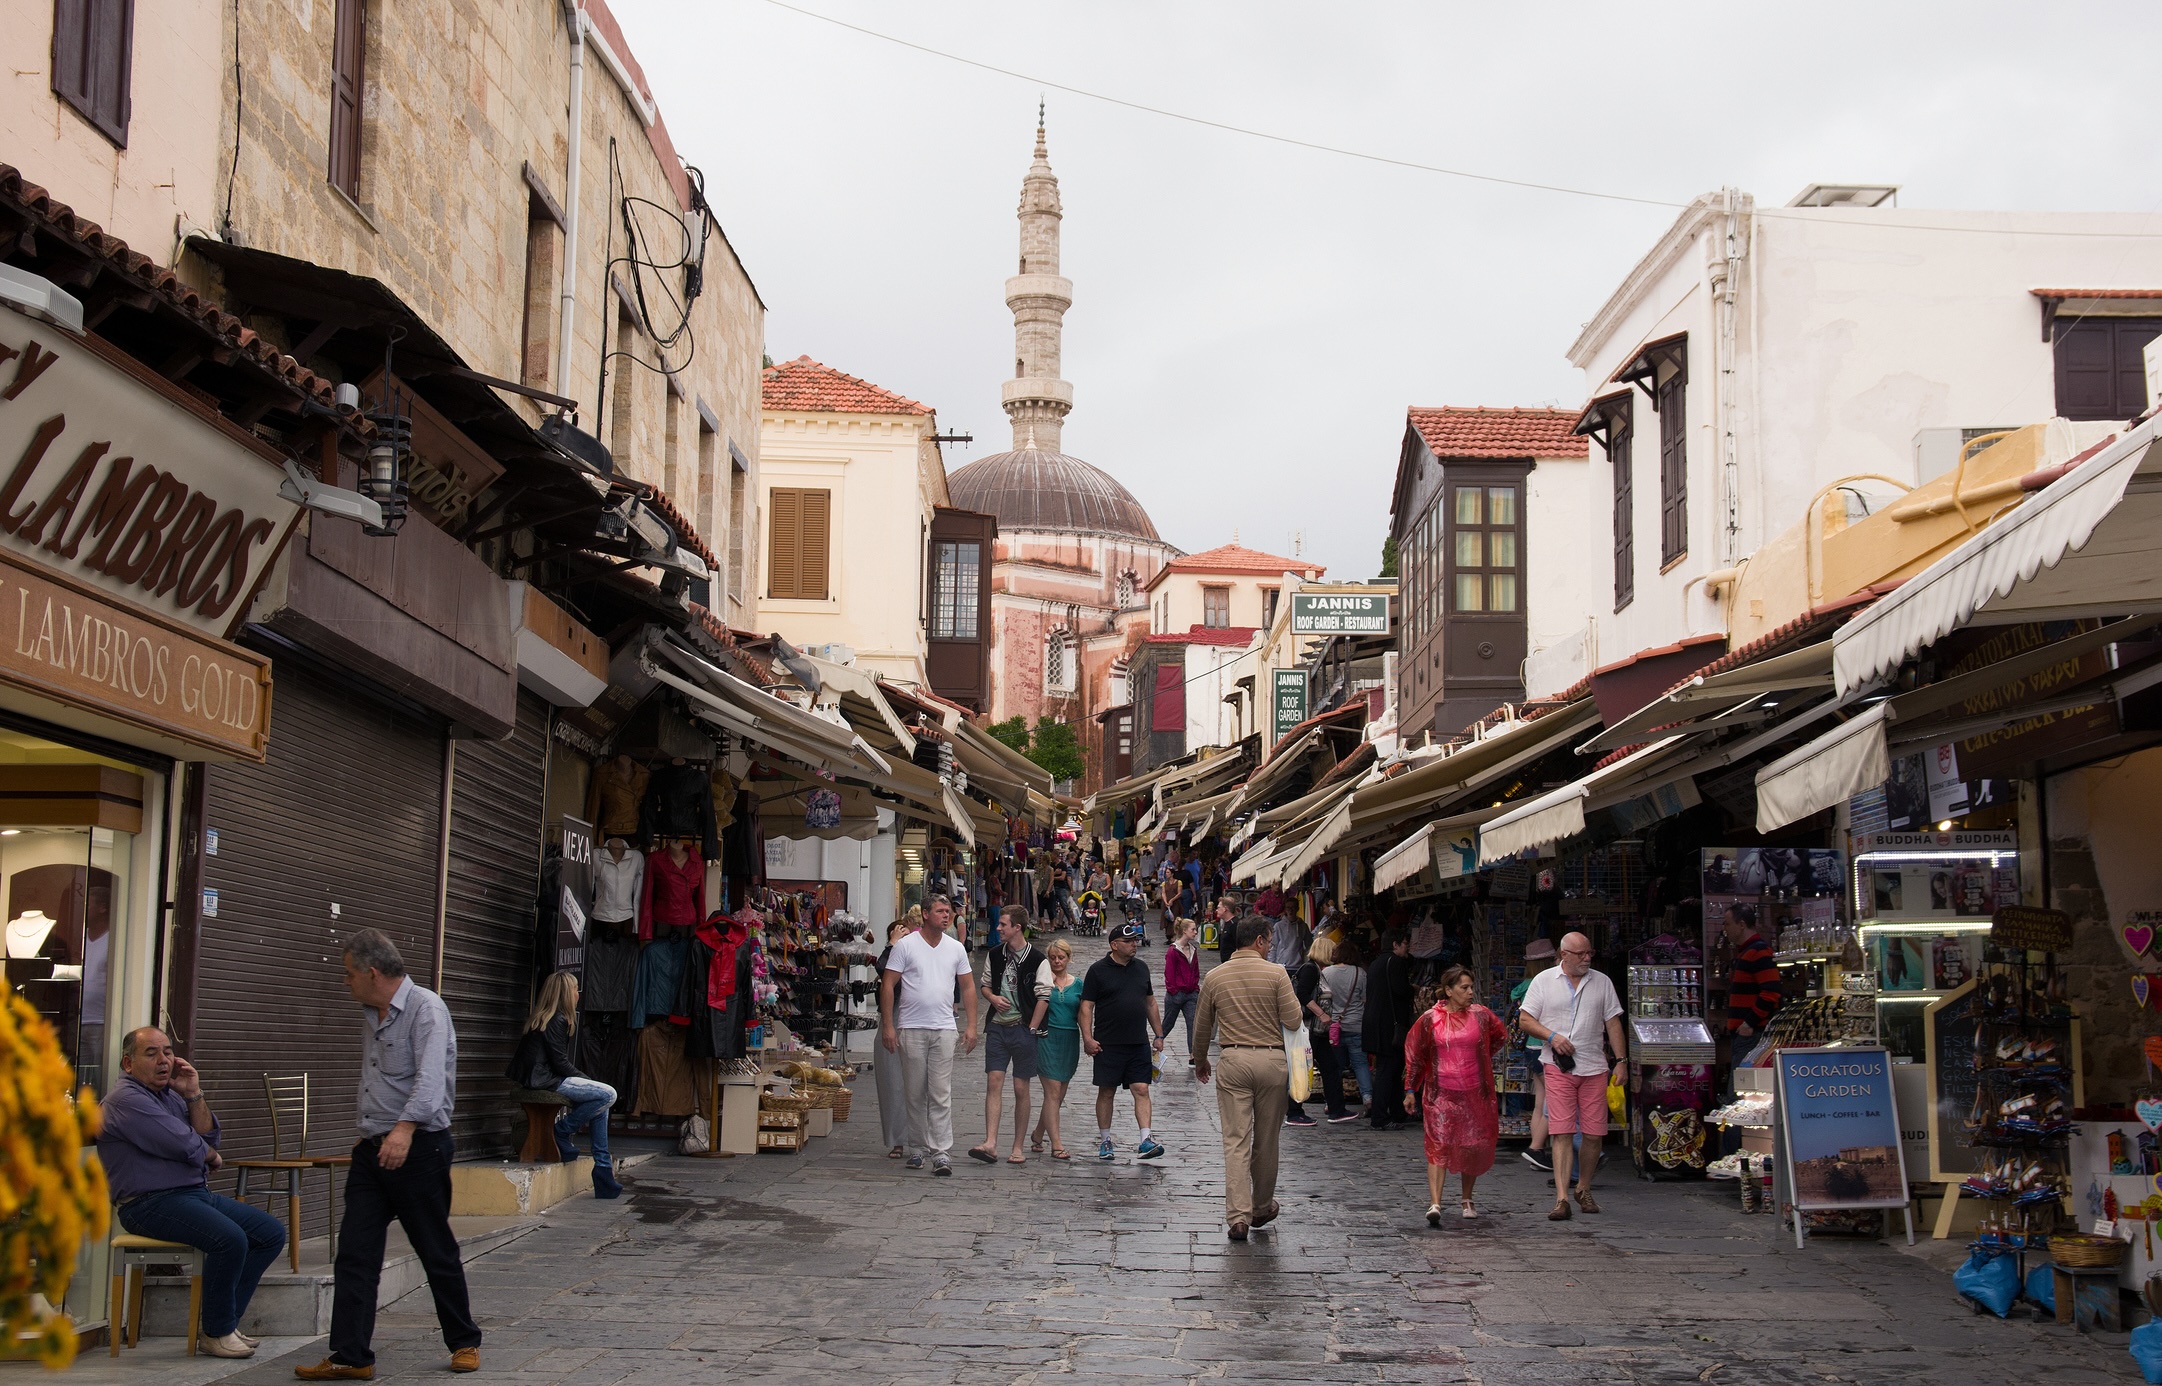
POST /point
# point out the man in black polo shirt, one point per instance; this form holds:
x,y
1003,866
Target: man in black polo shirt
x,y
1119,1020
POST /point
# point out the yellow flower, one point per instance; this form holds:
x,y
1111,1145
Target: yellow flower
x,y
52,1194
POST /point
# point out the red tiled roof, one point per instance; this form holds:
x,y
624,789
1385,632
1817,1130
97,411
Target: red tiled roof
x,y
1231,558
1205,635
59,220
807,384
2096,293
1500,432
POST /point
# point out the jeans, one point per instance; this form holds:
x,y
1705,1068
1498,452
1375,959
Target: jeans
x,y
238,1241
927,1074
590,1102
1181,1003
1351,1054
417,1195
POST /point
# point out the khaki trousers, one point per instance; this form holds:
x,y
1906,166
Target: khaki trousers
x,y
1251,1094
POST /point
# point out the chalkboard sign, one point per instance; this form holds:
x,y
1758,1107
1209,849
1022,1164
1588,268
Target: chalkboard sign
x,y
1949,1026
1840,1123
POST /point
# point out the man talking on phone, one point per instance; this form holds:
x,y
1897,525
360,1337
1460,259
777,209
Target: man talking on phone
x,y
1576,1011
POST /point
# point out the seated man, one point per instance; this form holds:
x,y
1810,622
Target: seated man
x,y
159,1143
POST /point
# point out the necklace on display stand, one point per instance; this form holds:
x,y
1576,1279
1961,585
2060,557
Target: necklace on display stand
x,y
27,932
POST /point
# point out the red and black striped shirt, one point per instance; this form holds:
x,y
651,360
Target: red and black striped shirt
x,y
1753,991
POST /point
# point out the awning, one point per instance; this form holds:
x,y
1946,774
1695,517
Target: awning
x,y
1279,769
2084,546
1405,860
1243,869
752,713
1433,782
1111,796
1206,777
1317,846
845,680
1707,695
1835,767
1559,814
1449,845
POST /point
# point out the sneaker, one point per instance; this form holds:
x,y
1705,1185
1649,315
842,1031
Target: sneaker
x,y
1104,1150
230,1345
1300,1119
1340,1120
1151,1149
942,1167
915,1162
1539,1160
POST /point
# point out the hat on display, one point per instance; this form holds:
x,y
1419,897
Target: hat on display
x,y
1131,933
1538,950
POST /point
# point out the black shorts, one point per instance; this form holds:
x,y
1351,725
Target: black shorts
x,y
1123,1065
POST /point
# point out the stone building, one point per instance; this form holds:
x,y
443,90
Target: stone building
x,y
1075,550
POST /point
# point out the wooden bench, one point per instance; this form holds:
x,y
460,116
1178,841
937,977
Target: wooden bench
x,y
542,1107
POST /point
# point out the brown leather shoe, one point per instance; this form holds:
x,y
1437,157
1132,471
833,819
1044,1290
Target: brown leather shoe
x,y
1560,1213
1238,1231
465,1360
1585,1201
327,1370
1267,1215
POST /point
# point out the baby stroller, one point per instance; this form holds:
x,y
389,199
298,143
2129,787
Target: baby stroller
x,y
1092,913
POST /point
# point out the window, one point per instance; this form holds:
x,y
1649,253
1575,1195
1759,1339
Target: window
x,y
739,524
93,59
1167,707
672,450
1126,589
1620,435
956,589
1268,606
802,545
622,409
536,332
348,47
709,486
1483,561
1061,662
1126,734
1672,402
1216,607
2101,367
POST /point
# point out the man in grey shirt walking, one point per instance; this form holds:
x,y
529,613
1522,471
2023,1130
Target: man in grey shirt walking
x,y
401,1168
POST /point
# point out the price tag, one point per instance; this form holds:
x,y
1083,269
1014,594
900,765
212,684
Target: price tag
x,y
2105,1227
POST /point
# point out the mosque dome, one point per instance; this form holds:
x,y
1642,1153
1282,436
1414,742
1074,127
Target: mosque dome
x,y
1034,488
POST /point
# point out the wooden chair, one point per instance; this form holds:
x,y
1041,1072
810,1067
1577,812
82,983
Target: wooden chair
x,y
288,1099
132,1258
542,1107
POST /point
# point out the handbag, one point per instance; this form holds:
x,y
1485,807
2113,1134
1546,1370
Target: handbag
x,y
1299,1063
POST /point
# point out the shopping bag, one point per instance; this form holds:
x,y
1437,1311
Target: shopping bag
x,y
1617,1097
2147,1351
1299,1062
2042,1287
1990,1281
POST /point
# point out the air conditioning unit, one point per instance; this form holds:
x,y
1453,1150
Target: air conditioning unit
x,y
1936,450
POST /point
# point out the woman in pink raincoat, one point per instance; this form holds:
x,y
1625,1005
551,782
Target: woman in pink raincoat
x,y
1449,1062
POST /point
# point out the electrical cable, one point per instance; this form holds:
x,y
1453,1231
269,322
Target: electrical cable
x,y
1532,185
232,176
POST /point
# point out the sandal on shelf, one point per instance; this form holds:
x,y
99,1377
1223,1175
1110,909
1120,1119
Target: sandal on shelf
x,y
1560,1214
1433,1215
1585,1201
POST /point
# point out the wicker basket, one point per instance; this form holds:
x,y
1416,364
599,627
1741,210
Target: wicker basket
x,y
841,1100
820,1097
2082,1251
785,1102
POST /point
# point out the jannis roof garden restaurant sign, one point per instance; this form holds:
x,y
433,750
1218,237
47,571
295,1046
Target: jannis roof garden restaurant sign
x,y
110,481
1339,613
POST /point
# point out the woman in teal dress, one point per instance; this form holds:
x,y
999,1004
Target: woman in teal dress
x,y
1057,1022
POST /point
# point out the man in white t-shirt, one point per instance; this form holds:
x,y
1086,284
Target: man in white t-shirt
x,y
925,966
1577,1013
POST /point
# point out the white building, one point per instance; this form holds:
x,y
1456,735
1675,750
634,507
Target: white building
x,y
1757,362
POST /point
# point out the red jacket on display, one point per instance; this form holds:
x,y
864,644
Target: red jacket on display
x,y
673,895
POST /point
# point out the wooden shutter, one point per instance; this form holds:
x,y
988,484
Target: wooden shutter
x,y
800,553
2132,337
1619,438
93,58
1167,708
347,46
2086,367
1673,468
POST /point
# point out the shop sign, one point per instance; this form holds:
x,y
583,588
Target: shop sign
x,y
2024,739
1840,1122
2027,926
66,642
1339,613
1979,840
574,887
109,477
1288,690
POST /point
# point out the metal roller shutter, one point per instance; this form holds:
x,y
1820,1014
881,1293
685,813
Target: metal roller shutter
x,y
495,847
345,817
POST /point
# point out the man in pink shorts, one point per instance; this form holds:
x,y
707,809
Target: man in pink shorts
x,y
1577,1013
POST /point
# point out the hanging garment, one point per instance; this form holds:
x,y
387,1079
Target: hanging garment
x,y
674,894
721,936
723,788
611,968
743,856
617,885
718,1032
659,982
679,803
665,1087
619,787
608,1053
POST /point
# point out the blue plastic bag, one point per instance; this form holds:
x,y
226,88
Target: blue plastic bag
x,y
2147,1351
1991,1281
2042,1288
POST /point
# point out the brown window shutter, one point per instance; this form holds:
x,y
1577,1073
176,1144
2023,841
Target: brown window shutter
x,y
783,566
348,44
93,59
1673,469
1625,551
817,543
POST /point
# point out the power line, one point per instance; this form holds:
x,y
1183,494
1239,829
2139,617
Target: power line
x,y
1782,214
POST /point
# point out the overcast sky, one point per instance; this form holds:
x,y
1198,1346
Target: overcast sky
x,y
1251,320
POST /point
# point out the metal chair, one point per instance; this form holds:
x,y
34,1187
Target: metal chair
x,y
132,1258
288,1099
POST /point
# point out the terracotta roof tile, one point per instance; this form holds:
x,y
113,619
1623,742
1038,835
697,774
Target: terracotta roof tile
x,y
1231,558
59,220
2096,293
1453,432
807,384
1205,635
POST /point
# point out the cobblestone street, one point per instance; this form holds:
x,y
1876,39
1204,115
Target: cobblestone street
x,y
785,1268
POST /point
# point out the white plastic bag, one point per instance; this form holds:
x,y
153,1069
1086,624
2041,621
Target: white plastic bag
x,y
1299,1062
697,1137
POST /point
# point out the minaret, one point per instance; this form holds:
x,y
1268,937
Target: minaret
x,y
1036,399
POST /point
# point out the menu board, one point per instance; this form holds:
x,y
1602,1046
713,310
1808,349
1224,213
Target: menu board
x,y
1840,1122
1949,1028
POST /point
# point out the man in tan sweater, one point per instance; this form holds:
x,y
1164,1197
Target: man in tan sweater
x,y
1246,1005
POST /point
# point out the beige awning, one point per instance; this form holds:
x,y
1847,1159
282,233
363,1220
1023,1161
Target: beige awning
x,y
1434,782
1835,767
1559,814
2084,546
1449,845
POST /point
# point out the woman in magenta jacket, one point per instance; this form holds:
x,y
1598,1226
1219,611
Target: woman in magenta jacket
x,y
1182,978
